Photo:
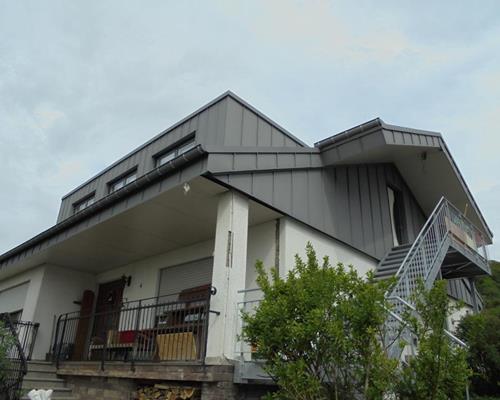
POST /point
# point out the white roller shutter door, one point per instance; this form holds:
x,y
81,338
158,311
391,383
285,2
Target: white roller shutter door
x,y
13,299
184,276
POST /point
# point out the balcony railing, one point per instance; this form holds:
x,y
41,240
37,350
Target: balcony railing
x,y
170,328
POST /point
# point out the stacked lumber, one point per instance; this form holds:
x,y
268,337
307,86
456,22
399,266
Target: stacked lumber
x,y
167,392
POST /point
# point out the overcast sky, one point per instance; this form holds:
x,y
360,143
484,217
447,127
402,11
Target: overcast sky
x,y
83,83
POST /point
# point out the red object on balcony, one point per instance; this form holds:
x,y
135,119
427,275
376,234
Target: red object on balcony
x,y
127,336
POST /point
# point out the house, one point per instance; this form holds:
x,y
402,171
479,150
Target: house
x,y
144,273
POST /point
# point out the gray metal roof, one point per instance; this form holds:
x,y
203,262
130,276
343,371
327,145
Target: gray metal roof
x,y
336,187
200,110
374,141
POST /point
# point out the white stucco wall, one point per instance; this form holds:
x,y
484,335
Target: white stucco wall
x,y
33,278
261,246
60,287
454,319
51,292
146,273
294,237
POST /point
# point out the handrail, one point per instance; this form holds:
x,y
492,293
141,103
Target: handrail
x,y
126,304
411,307
429,242
19,367
420,235
425,255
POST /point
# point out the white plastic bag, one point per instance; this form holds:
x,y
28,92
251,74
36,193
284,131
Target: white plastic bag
x,y
40,394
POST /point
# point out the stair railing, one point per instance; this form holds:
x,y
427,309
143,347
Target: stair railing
x,y
423,261
11,378
420,262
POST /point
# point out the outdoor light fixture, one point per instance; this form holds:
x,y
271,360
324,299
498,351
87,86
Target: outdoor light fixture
x,y
127,279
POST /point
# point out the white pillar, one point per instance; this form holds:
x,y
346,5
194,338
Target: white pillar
x,y
229,270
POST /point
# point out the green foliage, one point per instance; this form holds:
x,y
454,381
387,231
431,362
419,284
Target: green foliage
x,y
439,371
482,334
489,287
6,342
321,332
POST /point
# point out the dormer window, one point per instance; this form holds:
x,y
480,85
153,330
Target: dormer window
x,y
124,180
84,203
175,152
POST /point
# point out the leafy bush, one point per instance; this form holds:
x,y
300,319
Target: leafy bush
x,y
439,370
321,332
6,342
482,334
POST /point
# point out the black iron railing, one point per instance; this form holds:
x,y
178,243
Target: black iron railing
x,y
159,329
26,333
15,367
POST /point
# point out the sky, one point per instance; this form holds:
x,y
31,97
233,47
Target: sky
x,y
84,82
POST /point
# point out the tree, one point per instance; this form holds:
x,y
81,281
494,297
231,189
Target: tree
x,y
321,332
482,334
439,370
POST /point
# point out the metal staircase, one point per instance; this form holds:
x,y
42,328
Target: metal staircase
x,y
448,246
389,265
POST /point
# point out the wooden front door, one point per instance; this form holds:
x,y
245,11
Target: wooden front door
x,y
108,306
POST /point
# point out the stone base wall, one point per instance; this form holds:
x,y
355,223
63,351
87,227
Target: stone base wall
x,y
92,387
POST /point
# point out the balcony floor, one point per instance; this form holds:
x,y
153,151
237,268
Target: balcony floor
x,y
462,262
181,371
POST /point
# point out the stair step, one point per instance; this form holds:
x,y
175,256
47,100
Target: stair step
x,y
62,391
393,256
56,396
388,265
403,246
41,365
44,383
41,373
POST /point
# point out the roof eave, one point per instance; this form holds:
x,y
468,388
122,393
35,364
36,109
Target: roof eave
x,y
145,180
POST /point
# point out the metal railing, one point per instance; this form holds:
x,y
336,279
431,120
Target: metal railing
x,y
26,332
12,374
423,260
251,298
157,329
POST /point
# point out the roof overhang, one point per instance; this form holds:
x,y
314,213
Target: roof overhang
x,y
422,158
171,219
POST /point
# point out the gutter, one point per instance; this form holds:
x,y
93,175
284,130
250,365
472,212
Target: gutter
x,y
142,182
363,128
366,128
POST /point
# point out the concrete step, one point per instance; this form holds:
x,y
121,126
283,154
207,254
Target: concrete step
x,y
43,383
41,373
57,394
41,365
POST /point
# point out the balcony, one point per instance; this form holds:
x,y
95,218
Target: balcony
x,y
171,328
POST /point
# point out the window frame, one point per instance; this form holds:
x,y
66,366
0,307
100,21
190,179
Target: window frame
x,y
173,150
123,179
84,200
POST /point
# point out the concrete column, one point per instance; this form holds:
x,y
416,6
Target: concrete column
x,y
230,260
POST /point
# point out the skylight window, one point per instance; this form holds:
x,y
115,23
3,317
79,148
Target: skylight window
x,y
175,152
84,203
123,181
